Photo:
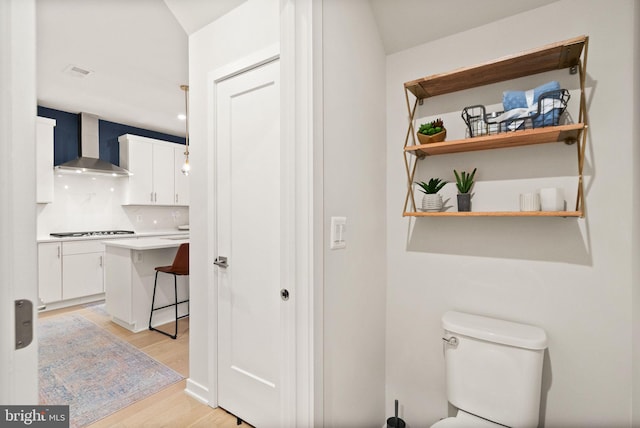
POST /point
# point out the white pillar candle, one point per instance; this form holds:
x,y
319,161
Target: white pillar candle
x,y
552,199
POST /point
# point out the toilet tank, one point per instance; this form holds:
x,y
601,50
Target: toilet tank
x,y
494,368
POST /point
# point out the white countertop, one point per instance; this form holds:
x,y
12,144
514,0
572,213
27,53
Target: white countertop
x,y
118,237
162,233
141,244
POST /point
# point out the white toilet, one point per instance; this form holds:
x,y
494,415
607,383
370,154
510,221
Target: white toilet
x,y
493,371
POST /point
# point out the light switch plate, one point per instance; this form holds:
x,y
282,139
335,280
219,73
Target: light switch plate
x,y
338,231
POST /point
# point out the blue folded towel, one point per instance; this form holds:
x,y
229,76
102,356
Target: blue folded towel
x,y
529,99
518,99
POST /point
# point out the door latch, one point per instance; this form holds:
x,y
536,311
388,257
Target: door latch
x,y
24,323
221,262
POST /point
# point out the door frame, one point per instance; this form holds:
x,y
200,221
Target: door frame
x,y
300,54
18,251
302,103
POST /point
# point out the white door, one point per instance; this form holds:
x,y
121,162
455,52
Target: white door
x,y
250,205
18,251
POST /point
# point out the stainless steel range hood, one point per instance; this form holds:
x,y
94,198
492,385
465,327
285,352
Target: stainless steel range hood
x,y
88,160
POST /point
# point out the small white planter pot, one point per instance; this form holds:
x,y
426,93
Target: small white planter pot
x,y
432,202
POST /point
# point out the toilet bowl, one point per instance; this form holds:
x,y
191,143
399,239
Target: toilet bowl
x,y
465,420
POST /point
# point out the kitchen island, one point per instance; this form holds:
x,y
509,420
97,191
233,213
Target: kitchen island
x,y
129,275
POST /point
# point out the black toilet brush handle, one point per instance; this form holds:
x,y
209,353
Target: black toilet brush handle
x,y
396,414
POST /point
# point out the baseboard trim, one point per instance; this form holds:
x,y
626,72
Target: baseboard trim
x,y
63,304
197,391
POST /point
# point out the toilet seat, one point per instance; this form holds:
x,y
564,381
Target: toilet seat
x,y
465,420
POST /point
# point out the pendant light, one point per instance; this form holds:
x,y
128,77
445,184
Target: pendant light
x,y
186,168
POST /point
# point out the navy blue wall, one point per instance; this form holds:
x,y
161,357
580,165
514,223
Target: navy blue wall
x,y
66,136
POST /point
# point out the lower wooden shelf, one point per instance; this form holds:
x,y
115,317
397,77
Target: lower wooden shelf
x,y
552,134
495,214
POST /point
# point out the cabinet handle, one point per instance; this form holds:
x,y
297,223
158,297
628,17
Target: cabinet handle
x,y
58,251
155,197
101,261
176,198
151,196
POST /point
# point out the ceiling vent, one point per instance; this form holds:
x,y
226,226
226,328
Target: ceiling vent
x,y
76,71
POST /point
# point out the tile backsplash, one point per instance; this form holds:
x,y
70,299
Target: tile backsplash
x,y
83,203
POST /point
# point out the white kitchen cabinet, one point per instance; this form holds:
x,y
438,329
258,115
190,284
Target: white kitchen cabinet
x,y
44,160
181,181
83,271
163,174
50,271
152,164
137,158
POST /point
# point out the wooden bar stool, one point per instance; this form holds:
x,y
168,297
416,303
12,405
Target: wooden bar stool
x,y
180,266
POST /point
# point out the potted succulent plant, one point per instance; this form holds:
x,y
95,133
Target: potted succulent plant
x,y
464,183
432,132
431,201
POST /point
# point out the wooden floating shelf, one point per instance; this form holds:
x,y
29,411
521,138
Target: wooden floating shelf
x,y
496,214
551,134
550,57
571,53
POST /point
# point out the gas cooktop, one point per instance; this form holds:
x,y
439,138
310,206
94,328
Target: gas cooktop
x,y
92,233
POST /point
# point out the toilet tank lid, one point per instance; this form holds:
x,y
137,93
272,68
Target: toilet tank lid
x,y
495,330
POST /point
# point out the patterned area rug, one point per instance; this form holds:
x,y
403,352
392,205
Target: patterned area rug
x,y
98,307
93,371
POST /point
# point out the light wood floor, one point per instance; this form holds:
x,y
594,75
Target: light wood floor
x,y
171,407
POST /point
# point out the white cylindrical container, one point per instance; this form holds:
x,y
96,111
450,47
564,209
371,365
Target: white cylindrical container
x,y
529,202
432,202
552,199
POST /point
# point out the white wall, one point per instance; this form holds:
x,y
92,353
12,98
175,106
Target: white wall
x,y
635,235
84,203
354,186
251,27
572,277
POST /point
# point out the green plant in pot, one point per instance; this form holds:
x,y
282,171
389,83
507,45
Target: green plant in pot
x,y
464,183
432,132
431,201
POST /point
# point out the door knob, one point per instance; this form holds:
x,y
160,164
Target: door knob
x,y
284,294
221,262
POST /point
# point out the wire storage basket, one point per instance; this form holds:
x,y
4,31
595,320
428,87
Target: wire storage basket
x,y
547,112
